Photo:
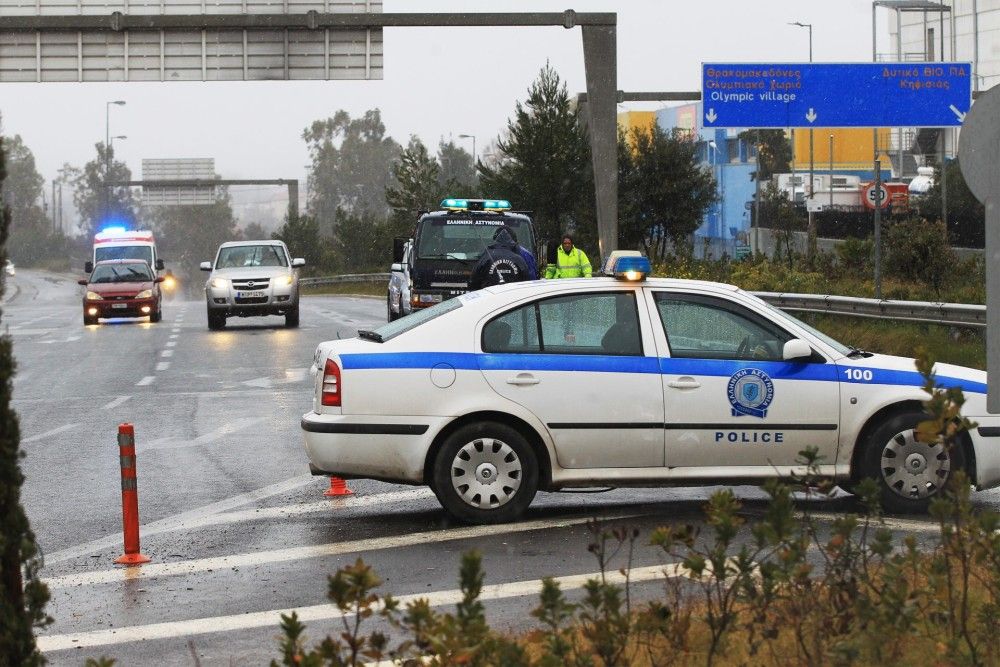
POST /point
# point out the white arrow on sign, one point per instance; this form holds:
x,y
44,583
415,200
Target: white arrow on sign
x,y
711,116
954,109
811,116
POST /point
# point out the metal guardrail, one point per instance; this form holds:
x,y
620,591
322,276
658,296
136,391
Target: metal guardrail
x,y
958,314
346,278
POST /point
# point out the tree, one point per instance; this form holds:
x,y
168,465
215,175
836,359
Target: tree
x,y
778,213
458,172
350,166
966,215
22,593
360,243
254,231
100,205
417,187
663,190
32,238
302,238
774,151
189,235
543,163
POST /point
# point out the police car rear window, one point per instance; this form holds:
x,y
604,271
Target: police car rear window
x,y
414,320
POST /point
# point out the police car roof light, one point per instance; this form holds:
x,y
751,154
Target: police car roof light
x,y
632,268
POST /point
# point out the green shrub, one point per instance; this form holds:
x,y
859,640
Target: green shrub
x,y
856,255
918,249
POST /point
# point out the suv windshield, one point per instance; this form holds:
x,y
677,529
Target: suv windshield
x,y
466,237
121,273
234,257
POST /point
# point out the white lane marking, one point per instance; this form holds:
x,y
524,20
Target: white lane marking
x,y
167,353
179,521
172,336
301,553
888,522
145,381
323,612
163,365
170,442
332,504
175,331
115,403
171,343
72,339
46,434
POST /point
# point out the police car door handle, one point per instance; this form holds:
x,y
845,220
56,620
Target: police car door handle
x,y
684,383
523,379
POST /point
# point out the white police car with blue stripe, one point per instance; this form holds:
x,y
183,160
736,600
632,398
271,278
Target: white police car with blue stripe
x,y
620,381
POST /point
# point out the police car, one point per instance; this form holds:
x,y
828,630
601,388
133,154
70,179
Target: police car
x,y
622,381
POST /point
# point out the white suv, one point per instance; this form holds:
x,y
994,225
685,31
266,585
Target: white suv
x,y
252,278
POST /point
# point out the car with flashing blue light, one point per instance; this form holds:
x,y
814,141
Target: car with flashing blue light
x,y
624,380
436,262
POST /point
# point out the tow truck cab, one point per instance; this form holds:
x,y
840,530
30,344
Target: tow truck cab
x,y
446,245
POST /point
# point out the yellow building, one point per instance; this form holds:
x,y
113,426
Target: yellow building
x,y
853,149
630,120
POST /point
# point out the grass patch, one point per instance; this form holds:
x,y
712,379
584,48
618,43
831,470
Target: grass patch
x,y
947,344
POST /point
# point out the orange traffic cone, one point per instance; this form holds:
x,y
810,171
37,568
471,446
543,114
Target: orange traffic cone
x,y
338,487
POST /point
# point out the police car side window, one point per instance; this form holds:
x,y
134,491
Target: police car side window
x,y
605,323
706,328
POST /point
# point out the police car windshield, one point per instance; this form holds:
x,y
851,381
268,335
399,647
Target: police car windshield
x,y
418,317
837,345
465,238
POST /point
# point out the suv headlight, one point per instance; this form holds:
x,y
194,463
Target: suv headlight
x,y
145,294
285,281
94,296
220,283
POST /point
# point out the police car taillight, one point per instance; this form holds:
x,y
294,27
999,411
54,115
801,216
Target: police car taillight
x,y
331,383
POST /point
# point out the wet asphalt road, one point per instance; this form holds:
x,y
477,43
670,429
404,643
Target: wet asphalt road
x,y
236,528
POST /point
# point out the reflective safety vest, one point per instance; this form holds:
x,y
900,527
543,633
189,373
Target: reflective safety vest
x,y
573,265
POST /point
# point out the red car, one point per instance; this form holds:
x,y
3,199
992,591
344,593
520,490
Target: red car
x,y
121,288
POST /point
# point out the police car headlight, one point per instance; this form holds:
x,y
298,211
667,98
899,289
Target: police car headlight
x,y
94,296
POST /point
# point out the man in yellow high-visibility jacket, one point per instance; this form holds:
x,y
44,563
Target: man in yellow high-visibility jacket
x,y
570,262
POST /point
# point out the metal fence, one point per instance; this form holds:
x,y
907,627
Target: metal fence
x,y
957,314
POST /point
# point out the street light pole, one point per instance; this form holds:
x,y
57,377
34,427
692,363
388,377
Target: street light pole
x,y
473,137
107,153
811,242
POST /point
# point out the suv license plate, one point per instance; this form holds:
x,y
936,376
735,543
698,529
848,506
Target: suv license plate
x,y
119,305
250,295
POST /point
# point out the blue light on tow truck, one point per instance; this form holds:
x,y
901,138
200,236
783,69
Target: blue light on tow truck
x,y
455,203
496,205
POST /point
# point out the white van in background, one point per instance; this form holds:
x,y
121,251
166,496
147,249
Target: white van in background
x,y
119,243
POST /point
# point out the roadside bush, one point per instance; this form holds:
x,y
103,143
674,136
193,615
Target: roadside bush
x,y
856,255
782,588
918,249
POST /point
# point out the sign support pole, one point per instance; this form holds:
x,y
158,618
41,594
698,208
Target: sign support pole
x,y
993,301
878,229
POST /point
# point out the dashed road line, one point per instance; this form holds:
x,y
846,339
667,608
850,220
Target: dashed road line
x,y
148,380
171,343
115,403
167,353
163,365
47,434
302,553
323,612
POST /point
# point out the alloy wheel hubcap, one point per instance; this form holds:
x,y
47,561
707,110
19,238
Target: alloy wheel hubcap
x,y
913,469
486,473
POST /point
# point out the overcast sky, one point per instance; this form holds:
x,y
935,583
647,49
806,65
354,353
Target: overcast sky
x,y
253,129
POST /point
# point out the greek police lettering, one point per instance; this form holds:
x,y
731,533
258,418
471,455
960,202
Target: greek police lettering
x,y
750,392
752,437
502,268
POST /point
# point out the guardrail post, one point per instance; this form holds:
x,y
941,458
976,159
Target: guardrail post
x,y
130,498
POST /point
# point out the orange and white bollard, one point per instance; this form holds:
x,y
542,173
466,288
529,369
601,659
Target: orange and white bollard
x,y
130,498
338,487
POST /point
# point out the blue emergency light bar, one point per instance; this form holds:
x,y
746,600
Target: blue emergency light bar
x,y
455,204
632,268
496,205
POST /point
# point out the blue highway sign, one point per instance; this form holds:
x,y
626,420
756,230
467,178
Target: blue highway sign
x,y
835,95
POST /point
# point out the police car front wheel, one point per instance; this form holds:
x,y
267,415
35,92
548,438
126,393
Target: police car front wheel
x,y
910,473
486,473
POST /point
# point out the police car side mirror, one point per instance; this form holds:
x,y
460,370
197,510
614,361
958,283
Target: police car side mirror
x,y
396,268
796,349
205,266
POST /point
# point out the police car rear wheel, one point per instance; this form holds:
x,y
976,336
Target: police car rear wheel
x,y
486,473
910,473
